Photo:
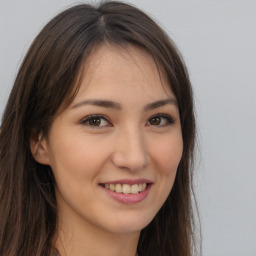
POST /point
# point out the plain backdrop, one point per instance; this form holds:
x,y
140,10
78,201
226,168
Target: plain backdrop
x,y
218,41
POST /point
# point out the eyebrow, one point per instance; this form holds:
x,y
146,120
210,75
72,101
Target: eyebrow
x,y
160,103
99,103
117,106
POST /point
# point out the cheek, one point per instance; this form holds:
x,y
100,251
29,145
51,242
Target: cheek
x,y
167,155
76,165
77,159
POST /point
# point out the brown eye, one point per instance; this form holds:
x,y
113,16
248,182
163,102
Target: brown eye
x,y
160,120
96,121
156,120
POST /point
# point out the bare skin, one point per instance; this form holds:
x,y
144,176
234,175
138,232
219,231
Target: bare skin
x,y
123,125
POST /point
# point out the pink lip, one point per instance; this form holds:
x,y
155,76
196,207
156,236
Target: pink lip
x,y
128,181
128,198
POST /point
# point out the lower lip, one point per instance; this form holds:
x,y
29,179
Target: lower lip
x,y
128,198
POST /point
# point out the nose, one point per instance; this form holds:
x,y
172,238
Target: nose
x,y
130,150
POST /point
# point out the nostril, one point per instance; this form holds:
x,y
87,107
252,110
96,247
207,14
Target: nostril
x,y
132,161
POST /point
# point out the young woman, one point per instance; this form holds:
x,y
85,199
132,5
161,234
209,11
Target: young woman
x,y
97,139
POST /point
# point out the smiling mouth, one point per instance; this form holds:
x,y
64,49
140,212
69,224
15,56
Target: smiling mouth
x,y
126,188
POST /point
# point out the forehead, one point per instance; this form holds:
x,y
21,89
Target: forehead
x,y
125,70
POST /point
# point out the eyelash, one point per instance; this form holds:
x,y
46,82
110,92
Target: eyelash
x,y
169,120
86,121
94,118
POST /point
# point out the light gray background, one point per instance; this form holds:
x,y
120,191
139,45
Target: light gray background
x,y
218,41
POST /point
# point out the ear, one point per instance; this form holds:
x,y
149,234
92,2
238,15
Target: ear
x,y
39,149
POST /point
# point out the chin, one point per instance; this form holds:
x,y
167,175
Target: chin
x,y
130,224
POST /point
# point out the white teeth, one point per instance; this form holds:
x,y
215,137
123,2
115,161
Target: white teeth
x,y
126,188
134,189
119,188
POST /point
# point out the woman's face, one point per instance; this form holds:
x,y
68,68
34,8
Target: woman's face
x,y
115,150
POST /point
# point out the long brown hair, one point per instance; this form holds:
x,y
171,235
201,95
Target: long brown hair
x,y
48,77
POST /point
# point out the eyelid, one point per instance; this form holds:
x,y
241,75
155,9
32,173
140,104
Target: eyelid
x,y
86,119
170,119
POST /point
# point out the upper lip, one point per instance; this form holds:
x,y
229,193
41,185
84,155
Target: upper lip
x,y
128,181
